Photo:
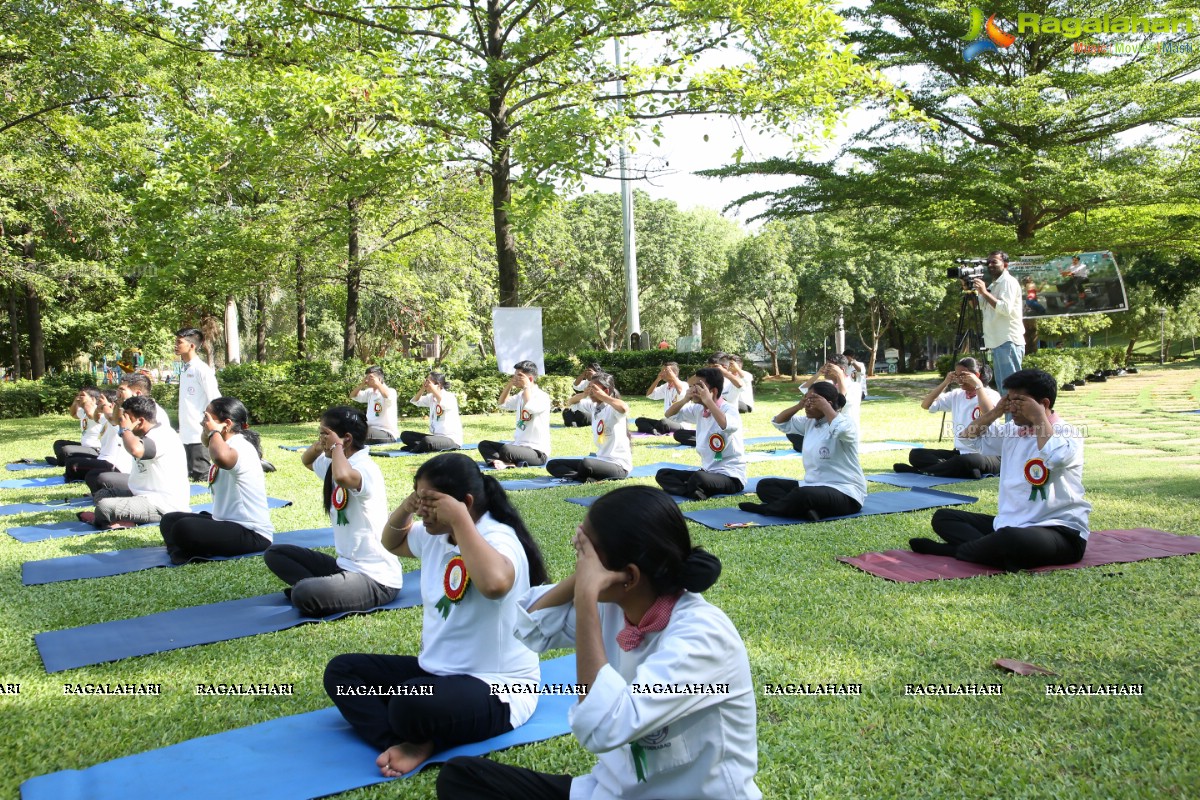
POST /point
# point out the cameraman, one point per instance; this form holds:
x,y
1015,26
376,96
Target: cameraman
x,y
1003,326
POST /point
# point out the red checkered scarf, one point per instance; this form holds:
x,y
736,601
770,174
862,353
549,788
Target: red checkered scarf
x,y
655,619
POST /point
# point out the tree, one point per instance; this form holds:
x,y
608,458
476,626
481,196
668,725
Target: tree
x,y
1029,142
526,92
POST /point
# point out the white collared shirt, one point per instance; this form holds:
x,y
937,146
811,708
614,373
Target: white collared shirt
x,y
476,637
610,436
963,411
240,492
197,388
359,542
727,441
1004,323
830,453
112,449
163,477
382,414
700,746
1059,501
444,419
533,419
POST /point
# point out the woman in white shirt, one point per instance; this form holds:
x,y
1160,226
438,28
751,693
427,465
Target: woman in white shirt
x,y
834,484
578,413
966,402
610,436
445,425
641,632
477,560
364,575
239,522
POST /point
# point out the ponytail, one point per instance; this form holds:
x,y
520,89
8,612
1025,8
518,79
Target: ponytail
x,y
457,475
234,410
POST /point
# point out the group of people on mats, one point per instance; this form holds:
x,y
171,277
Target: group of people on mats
x,y
631,608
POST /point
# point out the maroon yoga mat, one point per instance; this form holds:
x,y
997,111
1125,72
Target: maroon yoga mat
x,y
1103,547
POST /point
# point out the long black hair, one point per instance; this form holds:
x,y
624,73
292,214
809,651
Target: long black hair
x,y
642,525
607,383
458,475
232,409
344,421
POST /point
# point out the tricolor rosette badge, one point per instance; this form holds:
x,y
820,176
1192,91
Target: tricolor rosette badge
x,y
212,474
600,429
716,443
525,417
1037,473
454,584
437,411
975,413
340,499
378,407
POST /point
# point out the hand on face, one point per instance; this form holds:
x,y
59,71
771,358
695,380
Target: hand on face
x,y
591,576
211,423
970,380
327,439
128,421
817,404
520,381
441,510
1025,410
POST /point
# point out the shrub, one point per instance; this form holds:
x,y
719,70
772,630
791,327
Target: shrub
x,y
22,399
1058,363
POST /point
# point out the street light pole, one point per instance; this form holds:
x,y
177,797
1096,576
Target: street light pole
x,y
633,322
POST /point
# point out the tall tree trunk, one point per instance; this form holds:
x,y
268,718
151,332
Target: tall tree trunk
x,y
353,282
14,322
260,324
37,341
301,311
506,249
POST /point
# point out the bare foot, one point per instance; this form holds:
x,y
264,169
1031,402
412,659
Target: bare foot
x,y
87,516
121,524
401,758
501,465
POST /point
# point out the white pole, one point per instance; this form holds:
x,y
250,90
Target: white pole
x,y
633,322
839,336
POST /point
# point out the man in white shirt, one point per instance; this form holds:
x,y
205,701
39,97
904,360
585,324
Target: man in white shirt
x,y
970,399
1042,517
1003,317
530,446
158,481
382,401
197,388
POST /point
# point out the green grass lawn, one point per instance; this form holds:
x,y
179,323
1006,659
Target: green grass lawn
x,y
805,617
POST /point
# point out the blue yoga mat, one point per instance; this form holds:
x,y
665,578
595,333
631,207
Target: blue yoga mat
x,y
323,757
187,627
136,559
550,482
66,503
21,466
751,486
397,453
877,503
74,527
295,448
914,480
32,483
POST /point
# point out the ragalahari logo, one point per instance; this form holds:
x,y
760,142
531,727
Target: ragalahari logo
x,y
984,37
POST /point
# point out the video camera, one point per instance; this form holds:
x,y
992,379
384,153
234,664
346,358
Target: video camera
x,y
968,269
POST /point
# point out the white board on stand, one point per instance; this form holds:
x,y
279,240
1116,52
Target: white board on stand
x,y
518,336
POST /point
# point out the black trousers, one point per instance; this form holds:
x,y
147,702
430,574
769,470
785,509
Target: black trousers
x,y
797,440
696,482
64,449
457,709
952,463
1008,548
426,442
685,436
511,453
77,467
189,536
787,498
98,480
197,461
580,469
319,586
473,778
660,426
576,419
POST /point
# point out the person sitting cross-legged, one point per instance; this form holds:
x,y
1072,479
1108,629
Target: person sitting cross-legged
x,y
610,433
718,441
1042,517
971,398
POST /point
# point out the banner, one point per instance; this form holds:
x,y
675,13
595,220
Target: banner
x,y
1070,285
518,336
